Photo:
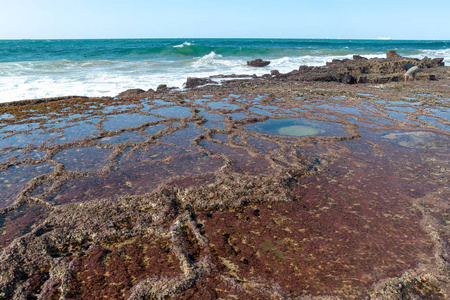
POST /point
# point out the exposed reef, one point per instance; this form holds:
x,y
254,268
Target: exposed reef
x,y
258,63
285,186
351,71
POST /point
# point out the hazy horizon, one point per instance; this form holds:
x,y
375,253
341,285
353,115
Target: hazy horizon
x,y
288,19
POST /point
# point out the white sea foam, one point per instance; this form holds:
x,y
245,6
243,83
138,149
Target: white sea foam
x,y
445,53
32,80
182,45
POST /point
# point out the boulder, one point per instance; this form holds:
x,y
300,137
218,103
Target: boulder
x,y
130,92
391,54
275,73
258,63
359,57
162,88
193,82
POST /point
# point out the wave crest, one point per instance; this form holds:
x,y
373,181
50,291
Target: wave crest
x,y
185,44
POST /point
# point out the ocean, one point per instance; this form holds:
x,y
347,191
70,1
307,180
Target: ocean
x,y
31,69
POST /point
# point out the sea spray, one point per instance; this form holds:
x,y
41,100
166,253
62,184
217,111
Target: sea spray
x,y
31,69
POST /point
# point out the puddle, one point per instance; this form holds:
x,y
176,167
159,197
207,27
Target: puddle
x,y
276,109
88,159
125,137
20,127
200,101
298,128
6,116
403,108
147,107
214,125
435,122
21,155
238,116
183,137
212,116
151,130
222,105
4,157
360,123
15,178
419,139
242,162
119,108
380,120
333,117
77,132
150,156
262,146
19,222
173,112
21,140
399,116
341,109
427,95
260,111
365,95
127,121
442,112
134,179
162,102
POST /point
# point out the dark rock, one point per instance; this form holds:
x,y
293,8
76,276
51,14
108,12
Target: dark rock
x,y
130,92
347,78
391,54
274,73
438,61
162,88
258,63
362,70
359,57
193,82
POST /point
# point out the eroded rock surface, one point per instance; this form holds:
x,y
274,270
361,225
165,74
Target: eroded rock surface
x,y
363,70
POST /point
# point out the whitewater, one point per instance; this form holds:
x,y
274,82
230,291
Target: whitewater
x,y
32,69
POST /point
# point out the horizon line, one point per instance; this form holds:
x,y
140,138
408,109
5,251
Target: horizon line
x,y
225,38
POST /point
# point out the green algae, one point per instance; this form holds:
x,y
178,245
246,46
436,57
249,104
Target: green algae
x,y
298,130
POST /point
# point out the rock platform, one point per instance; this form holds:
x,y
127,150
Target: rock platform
x,y
276,187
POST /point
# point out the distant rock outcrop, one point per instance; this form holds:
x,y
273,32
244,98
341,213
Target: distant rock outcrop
x,y
130,92
391,54
363,70
258,63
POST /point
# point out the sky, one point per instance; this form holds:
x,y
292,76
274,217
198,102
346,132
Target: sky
x,y
352,19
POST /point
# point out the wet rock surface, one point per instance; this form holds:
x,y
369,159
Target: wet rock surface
x,y
363,70
254,189
258,63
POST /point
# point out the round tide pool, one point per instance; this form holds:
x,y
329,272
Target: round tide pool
x,y
298,127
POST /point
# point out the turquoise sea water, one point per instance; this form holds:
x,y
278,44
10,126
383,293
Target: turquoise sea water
x,y
32,69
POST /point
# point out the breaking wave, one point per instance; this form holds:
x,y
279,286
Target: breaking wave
x,y
32,69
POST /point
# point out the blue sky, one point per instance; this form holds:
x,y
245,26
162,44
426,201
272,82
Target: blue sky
x,y
66,19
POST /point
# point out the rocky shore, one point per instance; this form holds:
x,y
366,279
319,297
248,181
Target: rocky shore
x,y
323,183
